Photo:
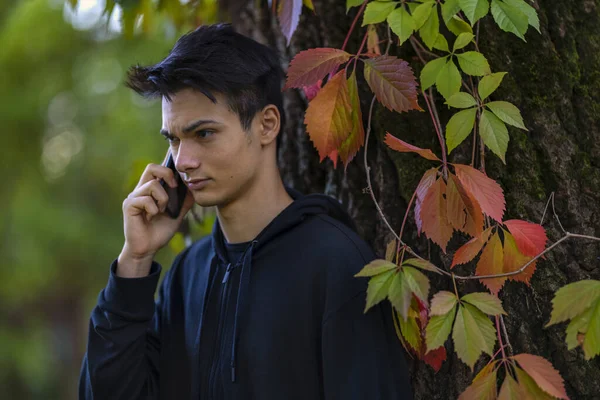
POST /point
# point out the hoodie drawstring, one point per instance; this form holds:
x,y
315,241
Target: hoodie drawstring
x,y
242,289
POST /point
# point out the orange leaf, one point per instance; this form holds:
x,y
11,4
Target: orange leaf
x,y
469,250
514,259
483,386
393,82
482,189
543,373
333,156
433,215
328,117
311,65
464,214
350,146
491,262
399,145
530,238
426,181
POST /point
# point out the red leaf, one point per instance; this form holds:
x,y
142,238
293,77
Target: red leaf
x,y
482,189
491,262
426,181
435,358
393,82
464,213
543,373
311,91
433,215
328,117
311,65
469,250
289,15
530,238
399,145
514,260
355,140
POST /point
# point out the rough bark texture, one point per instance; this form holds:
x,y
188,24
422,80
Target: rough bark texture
x,y
554,79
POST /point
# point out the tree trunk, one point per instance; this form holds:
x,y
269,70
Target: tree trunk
x,y
554,79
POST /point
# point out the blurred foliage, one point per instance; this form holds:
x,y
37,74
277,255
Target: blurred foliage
x,y
76,140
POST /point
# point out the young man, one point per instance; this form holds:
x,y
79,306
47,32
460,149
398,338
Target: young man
x,y
266,308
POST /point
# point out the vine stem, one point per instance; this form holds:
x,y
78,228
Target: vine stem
x,y
500,337
406,213
505,334
358,14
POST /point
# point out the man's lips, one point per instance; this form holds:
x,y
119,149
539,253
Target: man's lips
x,y
197,184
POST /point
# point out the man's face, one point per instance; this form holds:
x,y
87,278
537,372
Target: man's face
x,y
220,151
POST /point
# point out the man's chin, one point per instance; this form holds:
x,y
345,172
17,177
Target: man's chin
x,y
205,199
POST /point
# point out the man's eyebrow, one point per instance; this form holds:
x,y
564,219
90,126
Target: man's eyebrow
x,y
192,126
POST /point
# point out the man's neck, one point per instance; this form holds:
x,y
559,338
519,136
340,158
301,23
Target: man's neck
x,y
243,219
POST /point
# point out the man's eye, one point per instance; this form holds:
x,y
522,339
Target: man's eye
x,y
204,133
171,139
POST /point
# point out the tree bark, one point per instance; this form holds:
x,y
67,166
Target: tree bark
x,y
554,79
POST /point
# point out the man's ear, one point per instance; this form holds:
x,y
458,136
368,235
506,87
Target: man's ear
x,y
270,124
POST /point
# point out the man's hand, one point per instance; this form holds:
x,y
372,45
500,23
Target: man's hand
x,y
146,225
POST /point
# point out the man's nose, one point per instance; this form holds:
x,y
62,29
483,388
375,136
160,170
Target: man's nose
x,y
186,158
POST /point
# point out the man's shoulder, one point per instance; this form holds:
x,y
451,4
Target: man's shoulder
x,y
331,235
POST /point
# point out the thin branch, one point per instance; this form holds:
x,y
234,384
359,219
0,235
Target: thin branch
x,y
556,216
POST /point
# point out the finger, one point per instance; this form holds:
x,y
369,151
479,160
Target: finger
x,y
155,171
141,205
153,189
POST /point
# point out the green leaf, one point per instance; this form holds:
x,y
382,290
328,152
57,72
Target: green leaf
x,y
457,26
449,9
473,63
459,127
510,19
422,264
448,80
494,134
473,333
441,43
400,295
462,40
431,71
486,302
417,282
378,11
578,324
529,11
422,12
591,343
507,112
401,23
461,100
474,9
489,83
378,288
411,332
352,3
573,299
430,29
376,267
442,302
438,328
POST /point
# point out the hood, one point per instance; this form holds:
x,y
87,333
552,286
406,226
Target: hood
x,y
302,207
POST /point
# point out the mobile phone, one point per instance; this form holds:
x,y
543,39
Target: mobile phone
x,y
176,194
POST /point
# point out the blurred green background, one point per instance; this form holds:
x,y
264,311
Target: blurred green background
x,y
74,144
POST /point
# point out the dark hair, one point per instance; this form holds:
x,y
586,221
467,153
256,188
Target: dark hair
x,y
215,58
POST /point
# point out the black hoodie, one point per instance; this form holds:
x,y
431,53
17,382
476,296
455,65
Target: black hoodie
x,y
284,323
